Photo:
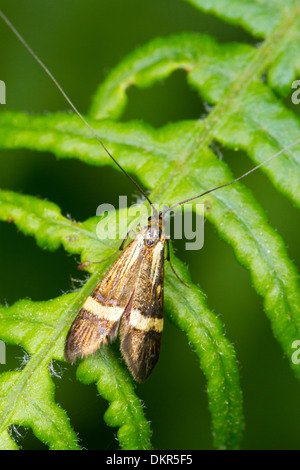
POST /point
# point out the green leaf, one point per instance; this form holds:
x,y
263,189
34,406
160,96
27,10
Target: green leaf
x,y
27,396
277,22
40,327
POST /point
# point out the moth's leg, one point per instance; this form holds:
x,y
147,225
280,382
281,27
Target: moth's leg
x,y
171,265
121,248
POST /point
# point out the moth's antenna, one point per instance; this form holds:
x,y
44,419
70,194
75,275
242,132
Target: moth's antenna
x,y
39,61
234,181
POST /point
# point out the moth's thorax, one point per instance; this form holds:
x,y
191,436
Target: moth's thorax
x,y
152,234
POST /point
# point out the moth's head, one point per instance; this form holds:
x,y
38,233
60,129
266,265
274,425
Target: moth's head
x,y
154,230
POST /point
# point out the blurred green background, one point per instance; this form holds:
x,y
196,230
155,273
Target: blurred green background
x,y
81,41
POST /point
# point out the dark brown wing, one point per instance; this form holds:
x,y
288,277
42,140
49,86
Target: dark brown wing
x,y
99,318
142,321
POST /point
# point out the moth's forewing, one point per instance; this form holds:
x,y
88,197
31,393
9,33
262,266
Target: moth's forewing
x,y
99,318
142,321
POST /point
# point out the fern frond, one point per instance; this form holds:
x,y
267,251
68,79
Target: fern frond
x,y
242,84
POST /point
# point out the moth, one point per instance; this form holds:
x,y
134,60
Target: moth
x,y
128,301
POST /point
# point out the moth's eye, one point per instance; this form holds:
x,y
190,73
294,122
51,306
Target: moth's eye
x,y
150,242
